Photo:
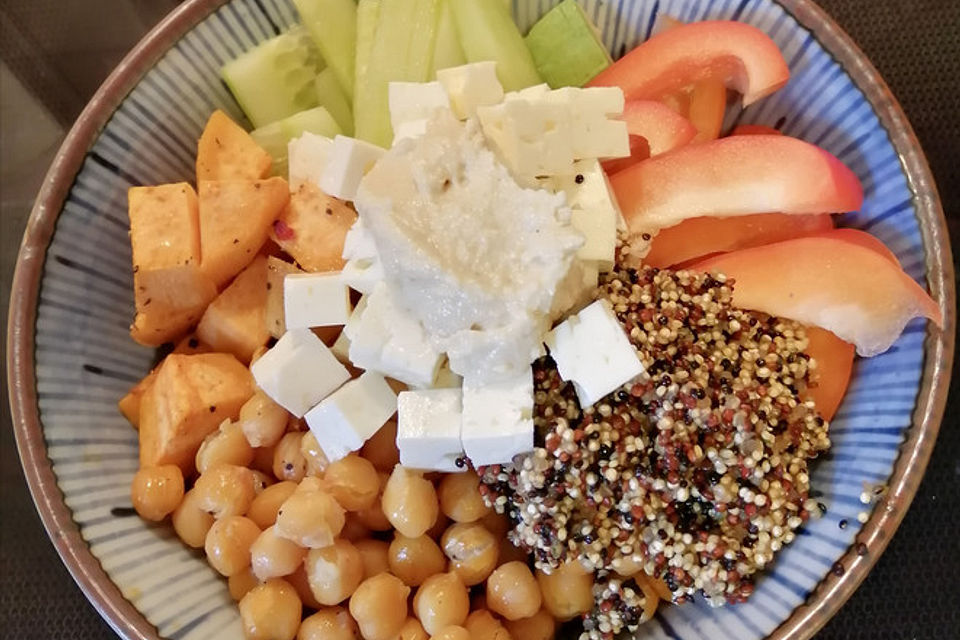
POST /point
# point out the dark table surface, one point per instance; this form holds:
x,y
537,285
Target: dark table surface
x,y
61,49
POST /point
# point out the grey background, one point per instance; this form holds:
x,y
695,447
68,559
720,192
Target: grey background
x,y
55,53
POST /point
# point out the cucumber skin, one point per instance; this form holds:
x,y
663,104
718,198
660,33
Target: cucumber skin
x,y
331,96
487,32
333,25
566,48
368,14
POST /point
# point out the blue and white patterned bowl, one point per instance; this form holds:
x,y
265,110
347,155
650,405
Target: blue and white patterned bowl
x,y
70,356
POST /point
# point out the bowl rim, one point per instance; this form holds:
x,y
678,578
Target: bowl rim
x,y
803,622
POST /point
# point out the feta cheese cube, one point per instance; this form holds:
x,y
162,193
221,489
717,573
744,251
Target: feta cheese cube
x,y
307,158
352,414
497,419
386,338
593,134
359,242
412,101
299,371
409,129
536,91
341,347
530,136
348,161
592,350
315,300
428,429
594,211
470,86
363,269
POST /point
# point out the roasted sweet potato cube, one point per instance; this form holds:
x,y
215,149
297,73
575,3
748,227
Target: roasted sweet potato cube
x,y
277,270
312,228
227,152
236,321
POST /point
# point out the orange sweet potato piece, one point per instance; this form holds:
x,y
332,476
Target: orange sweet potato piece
x,y
227,152
277,270
312,228
236,321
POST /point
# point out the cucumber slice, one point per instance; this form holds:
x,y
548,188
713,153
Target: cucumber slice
x,y
275,136
447,52
487,32
402,51
275,79
333,25
331,97
368,13
566,46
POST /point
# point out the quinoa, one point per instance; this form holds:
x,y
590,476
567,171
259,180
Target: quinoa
x,y
694,473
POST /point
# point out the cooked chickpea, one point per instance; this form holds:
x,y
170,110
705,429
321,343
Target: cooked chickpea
x,y
373,516
512,591
225,490
410,502
316,460
353,481
260,482
274,557
510,552
375,556
452,632
379,605
298,579
413,630
354,529
190,522
310,518
496,523
482,625
539,626
262,421
271,611
240,583
660,588
567,590
157,491
226,445
381,449
442,600
334,623
413,560
263,509
460,499
288,460
334,572
472,551
228,544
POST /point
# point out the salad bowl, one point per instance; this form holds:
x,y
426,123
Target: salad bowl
x,y
70,357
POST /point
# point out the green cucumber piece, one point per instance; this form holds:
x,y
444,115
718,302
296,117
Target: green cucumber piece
x,y
332,98
368,14
566,47
447,52
402,51
333,25
487,32
275,79
275,136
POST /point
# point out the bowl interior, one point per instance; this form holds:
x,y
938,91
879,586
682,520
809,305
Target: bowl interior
x,y
85,360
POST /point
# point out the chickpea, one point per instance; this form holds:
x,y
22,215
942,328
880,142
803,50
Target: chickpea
x,y
263,460
298,579
381,449
241,583
190,522
373,516
288,460
225,490
482,625
274,557
353,481
496,523
379,605
452,632
310,483
567,590
413,630
334,572
310,518
354,529
512,591
271,611
334,623
660,588
510,552
460,499
410,502
472,551
313,455
375,556
157,491
226,445
413,560
263,509
228,544
539,626
442,600
260,482
262,421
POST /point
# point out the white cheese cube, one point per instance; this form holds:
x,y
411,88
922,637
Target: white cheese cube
x,y
594,209
428,429
386,338
359,242
307,158
470,86
299,371
593,134
498,419
341,347
536,91
315,300
348,161
409,129
592,350
411,101
530,136
363,274
352,414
